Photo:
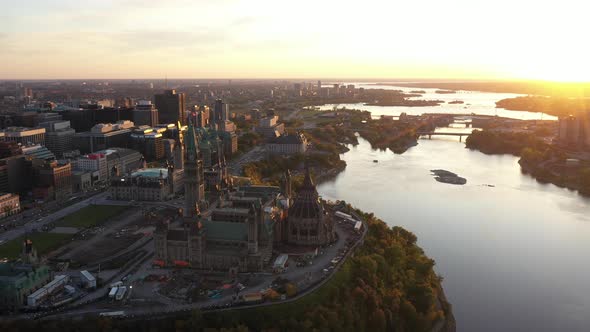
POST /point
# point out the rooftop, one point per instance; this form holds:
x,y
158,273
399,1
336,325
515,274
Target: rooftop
x,y
223,230
151,173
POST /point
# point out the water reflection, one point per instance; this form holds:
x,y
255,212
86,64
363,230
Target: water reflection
x,y
513,256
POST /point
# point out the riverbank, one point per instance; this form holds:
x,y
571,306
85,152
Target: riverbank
x,y
544,162
542,104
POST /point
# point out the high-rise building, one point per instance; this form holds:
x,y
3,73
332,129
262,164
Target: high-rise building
x,y
59,137
171,106
145,114
220,112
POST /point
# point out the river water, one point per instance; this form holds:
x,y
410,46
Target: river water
x,y
475,102
513,255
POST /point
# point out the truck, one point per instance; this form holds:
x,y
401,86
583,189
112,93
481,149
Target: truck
x,y
113,292
88,280
120,293
343,215
358,226
116,284
252,298
112,314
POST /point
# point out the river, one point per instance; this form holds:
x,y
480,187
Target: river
x,y
474,102
513,256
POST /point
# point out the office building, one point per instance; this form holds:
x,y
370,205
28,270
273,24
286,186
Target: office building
x,y
59,137
145,114
287,144
9,204
171,107
149,142
104,136
52,179
269,127
148,184
96,164
25,136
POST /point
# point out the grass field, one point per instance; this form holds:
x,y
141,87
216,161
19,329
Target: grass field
x,y
43,242
91,216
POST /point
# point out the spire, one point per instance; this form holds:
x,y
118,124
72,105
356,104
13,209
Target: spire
x,y
307,181
190,141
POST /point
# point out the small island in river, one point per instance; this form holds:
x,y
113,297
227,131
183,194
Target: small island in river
x,y
445,91
456,102
445,176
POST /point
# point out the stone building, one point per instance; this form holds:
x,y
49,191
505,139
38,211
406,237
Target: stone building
x,y
308,223
18,280
148,184
238,232
287,144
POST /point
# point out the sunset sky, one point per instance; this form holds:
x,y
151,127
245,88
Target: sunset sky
x,y
475,39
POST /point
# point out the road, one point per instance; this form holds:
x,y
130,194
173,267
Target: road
x,y
255,154
309,278
52,217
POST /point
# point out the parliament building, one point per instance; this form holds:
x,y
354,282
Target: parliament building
x,y
236,227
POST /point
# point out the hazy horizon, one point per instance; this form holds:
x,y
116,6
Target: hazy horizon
x,y
462,39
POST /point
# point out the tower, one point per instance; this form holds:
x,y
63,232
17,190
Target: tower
x,y
194,185
287,184
253,229
178,152
171,106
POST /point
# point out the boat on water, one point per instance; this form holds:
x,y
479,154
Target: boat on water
x,y
375,160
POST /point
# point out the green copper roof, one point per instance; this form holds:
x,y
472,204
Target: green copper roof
x,y
223,230
190,140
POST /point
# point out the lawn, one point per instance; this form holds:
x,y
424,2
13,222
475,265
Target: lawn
x,y
43,242
91,216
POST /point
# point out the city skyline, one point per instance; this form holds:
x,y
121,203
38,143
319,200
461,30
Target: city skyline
x,y
477,40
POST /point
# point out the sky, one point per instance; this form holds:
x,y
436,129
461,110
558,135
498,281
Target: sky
x,y
459,39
